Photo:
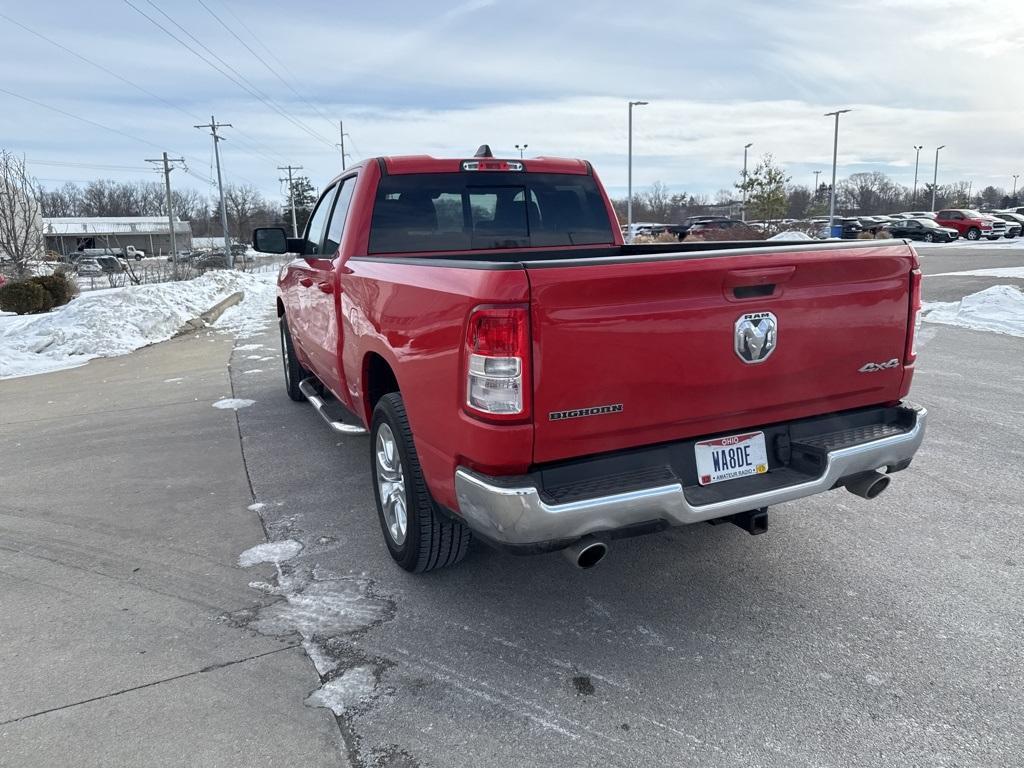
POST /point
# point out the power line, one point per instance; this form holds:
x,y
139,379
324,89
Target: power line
x,y
262,61
237,78
124,80
98,166
272,55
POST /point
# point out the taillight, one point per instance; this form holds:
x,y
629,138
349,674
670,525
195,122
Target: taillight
x,y
910,354
497,363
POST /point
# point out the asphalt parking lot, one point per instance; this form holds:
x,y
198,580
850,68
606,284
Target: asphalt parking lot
x,y
882,633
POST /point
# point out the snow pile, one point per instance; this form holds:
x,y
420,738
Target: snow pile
x,y
110,323
256,312
345,691
234,403
1000,272
999,309
271,552
791,235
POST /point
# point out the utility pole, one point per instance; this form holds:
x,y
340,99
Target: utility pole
x,y
629,187
816,175
291,193
917,162
341,137
743,212
935,179
213,125
521,149
835,157
166,161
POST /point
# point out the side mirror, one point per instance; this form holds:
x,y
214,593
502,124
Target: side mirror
x,y
270,240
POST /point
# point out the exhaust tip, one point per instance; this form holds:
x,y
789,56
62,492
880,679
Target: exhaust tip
x,y
878,486
868,485
586,553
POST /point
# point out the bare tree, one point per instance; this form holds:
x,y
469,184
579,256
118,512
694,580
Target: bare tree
x,y
242,202
21,222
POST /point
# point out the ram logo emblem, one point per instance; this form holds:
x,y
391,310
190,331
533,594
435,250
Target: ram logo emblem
x,y
756,336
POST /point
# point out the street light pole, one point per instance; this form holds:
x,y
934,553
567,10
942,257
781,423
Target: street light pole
x,y
816,175
521,149
835,157
743,216
935,178
629,183
1014,194
917,162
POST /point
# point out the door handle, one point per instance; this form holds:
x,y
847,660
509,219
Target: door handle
x,y
759,276
326,286
305,282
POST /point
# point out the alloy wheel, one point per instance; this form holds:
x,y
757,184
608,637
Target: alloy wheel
x,y
391,484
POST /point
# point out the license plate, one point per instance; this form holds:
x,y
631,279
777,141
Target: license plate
x,y
726,458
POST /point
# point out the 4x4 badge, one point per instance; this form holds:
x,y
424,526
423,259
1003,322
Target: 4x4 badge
x,y
873,367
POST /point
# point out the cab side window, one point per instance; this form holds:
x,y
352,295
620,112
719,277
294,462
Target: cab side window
x,y
315,228
336,228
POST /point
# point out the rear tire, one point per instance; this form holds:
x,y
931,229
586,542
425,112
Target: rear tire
x,y
418,535
929,237
973,233
293,370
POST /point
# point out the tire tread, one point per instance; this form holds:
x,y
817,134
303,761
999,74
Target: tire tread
x,y
440,541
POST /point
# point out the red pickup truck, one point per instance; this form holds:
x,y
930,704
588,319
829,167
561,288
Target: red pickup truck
x,y
970,224
527,378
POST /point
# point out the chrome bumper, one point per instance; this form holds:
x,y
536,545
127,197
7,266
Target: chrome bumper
x,y
510,511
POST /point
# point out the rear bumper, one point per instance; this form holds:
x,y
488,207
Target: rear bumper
x,y
551,508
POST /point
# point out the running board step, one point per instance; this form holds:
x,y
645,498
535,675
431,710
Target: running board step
x,y
308,388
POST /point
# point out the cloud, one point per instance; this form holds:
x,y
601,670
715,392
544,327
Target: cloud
x,y
442,78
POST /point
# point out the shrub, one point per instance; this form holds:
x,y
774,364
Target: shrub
x,y
24,297
59,286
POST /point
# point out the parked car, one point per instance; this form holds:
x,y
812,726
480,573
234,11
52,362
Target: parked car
x,y
735,227
852,227
873,224
1011,218
919,214
1014,222
682,229
970,224
924,229
130,252
527,378
89,267
999,228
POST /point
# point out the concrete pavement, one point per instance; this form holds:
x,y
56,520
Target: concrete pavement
x,y
123,511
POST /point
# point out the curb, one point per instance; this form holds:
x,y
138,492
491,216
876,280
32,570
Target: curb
x,y
210,316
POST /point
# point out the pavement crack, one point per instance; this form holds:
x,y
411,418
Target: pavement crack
x,y
112,694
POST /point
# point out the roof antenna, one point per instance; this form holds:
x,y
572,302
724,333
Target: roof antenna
x,y
484,151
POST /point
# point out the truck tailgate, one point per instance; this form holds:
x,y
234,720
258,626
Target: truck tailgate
x,y
631,352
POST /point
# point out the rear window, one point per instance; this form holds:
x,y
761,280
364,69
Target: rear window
x,y
486,210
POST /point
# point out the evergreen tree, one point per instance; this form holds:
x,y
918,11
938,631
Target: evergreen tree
x,y
765,187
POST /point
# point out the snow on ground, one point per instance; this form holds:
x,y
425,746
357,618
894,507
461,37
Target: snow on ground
x,y
256,312
108,323
271,552
1002,243
994,272
345,691
233,403
791,235
999,309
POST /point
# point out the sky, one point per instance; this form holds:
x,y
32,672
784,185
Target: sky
x,y
109,87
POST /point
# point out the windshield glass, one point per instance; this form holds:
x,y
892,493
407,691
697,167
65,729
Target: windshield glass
x,y
474,210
